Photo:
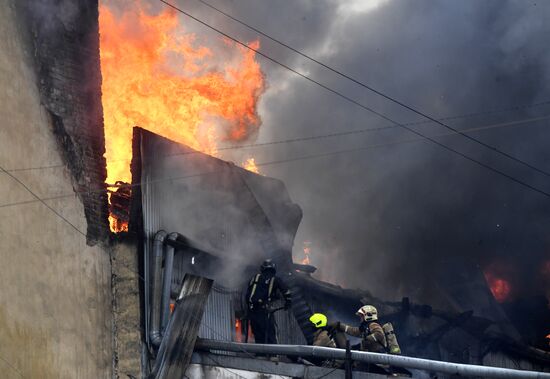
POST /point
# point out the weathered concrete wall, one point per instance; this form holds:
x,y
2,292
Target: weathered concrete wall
x,y
55,298
127,328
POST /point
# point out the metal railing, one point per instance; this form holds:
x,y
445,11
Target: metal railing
x,y
373,358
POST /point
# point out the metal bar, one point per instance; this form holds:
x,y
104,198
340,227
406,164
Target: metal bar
x,y
373,358
167,281
348,361
177,344
155,335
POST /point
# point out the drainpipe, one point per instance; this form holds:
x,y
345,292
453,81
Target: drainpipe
x,y
155,335
167,284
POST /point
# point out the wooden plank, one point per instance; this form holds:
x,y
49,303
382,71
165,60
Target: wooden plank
x,y
177,345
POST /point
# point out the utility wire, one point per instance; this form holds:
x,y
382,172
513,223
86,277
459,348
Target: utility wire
x,y
378,92
463,155
42,200
337,134
11,366
275,162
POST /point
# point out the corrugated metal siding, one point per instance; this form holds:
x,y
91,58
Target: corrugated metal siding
x,y
218,321
288,330
151,224
222,209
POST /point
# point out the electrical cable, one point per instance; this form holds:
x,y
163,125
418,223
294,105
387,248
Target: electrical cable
x,y
275,162
340,134
11,366
42,201
457,152
378,92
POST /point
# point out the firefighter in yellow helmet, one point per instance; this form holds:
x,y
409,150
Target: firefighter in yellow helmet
x,y
372,335
321,337
326,334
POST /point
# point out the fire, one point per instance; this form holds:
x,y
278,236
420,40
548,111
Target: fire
x,y
117,225
500,288
238,330
158,77
307,253
250,165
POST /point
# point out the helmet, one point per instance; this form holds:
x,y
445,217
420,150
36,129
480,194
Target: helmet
x,y
368,313
268,265
319,320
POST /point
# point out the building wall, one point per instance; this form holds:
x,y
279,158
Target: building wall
x,y
55,298
126,308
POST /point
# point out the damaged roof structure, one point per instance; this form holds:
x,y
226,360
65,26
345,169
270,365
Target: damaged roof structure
x,y
206,223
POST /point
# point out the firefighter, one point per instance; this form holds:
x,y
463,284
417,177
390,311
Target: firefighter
x,y
263,289
326,334
372,335
322,335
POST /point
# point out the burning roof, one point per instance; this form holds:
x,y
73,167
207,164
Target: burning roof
x,y
158,75
220,207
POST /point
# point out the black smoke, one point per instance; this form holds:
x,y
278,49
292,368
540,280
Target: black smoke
x,y
403,219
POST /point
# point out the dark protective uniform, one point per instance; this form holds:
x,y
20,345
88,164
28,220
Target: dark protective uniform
x,y
372,336
321,337
329,336
262,290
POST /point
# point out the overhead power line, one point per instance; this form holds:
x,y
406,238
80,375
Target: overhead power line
x,y
8,363
42,200
345,133
378,92
281,161
455,151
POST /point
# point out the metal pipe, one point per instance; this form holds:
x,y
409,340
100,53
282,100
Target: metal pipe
x,y
155,335
167,280
373,358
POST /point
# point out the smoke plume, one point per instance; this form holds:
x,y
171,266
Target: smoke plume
x,y
397,219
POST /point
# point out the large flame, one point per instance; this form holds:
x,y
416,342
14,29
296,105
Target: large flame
x,y
156,76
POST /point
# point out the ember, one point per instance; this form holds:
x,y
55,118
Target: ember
x,y
250,165
500,288
158,77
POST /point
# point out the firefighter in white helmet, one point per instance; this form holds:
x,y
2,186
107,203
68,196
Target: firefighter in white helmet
x,y
372,335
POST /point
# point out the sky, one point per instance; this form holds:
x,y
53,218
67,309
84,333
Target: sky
x,y
396,218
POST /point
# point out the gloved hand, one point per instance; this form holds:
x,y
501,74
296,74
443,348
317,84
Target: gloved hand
x,y
335,326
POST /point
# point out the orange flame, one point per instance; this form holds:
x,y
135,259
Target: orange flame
x,y
238,330
500,288
307,253
156,76
250,165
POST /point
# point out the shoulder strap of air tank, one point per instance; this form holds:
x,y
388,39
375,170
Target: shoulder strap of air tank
x,y
270,290
254,284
